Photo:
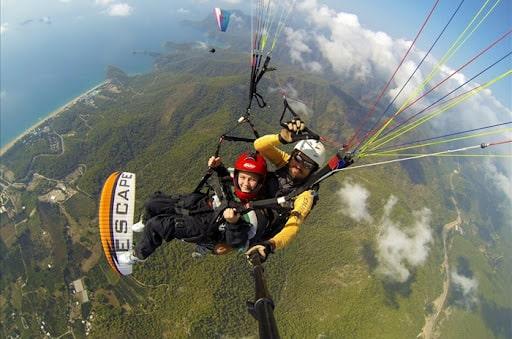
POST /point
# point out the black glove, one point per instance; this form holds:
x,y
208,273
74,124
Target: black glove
x,y
263,249
349,159
290,130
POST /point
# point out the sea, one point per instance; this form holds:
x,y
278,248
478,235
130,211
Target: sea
x,y
52,53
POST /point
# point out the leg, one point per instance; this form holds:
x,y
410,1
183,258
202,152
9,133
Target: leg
x,y
158,228
159,203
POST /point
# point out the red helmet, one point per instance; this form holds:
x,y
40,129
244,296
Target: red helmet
x,y
253,163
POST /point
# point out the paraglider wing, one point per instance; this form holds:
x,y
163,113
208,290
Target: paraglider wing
x,y
222,18
116,218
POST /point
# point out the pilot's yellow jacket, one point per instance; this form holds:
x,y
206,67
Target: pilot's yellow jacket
x,y
303,203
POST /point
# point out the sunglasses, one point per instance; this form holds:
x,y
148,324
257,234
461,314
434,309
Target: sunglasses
x,y
308,164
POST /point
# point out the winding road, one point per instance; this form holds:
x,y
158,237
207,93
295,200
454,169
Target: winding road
x,y
439,303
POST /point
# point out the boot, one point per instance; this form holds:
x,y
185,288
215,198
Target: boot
x,y
138,227
129,258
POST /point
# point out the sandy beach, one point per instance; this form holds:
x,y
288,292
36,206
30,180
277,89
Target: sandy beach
x,y
53,114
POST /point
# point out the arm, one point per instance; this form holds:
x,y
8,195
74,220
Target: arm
x,y
237,230
301,208
266,145
222,172
215,163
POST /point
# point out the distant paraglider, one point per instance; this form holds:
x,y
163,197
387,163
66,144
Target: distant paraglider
x,y
222,17
212,50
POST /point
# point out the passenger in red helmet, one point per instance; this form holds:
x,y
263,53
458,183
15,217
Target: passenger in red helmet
x,y
201,218
250,173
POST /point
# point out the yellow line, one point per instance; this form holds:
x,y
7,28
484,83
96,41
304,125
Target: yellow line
x,y
409,127
451,51
445,141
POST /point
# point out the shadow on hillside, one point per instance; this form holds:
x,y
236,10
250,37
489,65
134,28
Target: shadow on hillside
x,y
497,318
368,254
392,290
415,171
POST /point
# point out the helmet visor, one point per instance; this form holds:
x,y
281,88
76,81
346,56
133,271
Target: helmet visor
x,y
302,159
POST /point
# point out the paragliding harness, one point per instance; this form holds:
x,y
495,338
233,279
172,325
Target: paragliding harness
x,y
198,205
224,194
340,160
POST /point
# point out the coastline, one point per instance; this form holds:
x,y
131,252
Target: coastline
x,y
52,114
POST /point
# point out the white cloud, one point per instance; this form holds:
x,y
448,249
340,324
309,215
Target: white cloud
x,y
182,10
354,199
3,27
3,95
468,286
339,42
502,180
103,2
287,89
232,2
236,20
202,45
361,54
121,9
399,248
45,20
65,1
115,8
297,41
348,47
300,108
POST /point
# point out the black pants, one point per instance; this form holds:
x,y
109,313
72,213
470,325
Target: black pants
x,y
162,223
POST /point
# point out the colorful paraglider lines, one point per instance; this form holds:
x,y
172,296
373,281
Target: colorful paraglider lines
x,y
461,39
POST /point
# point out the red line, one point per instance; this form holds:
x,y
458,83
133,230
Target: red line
x,y
500,143
372,110
435,106
370,133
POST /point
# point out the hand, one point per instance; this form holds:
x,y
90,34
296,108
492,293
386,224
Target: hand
x,y
349,159
221,249
231,215
293,127
263,249
214,162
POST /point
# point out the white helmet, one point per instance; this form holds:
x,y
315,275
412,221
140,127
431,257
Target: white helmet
x,y
313,149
